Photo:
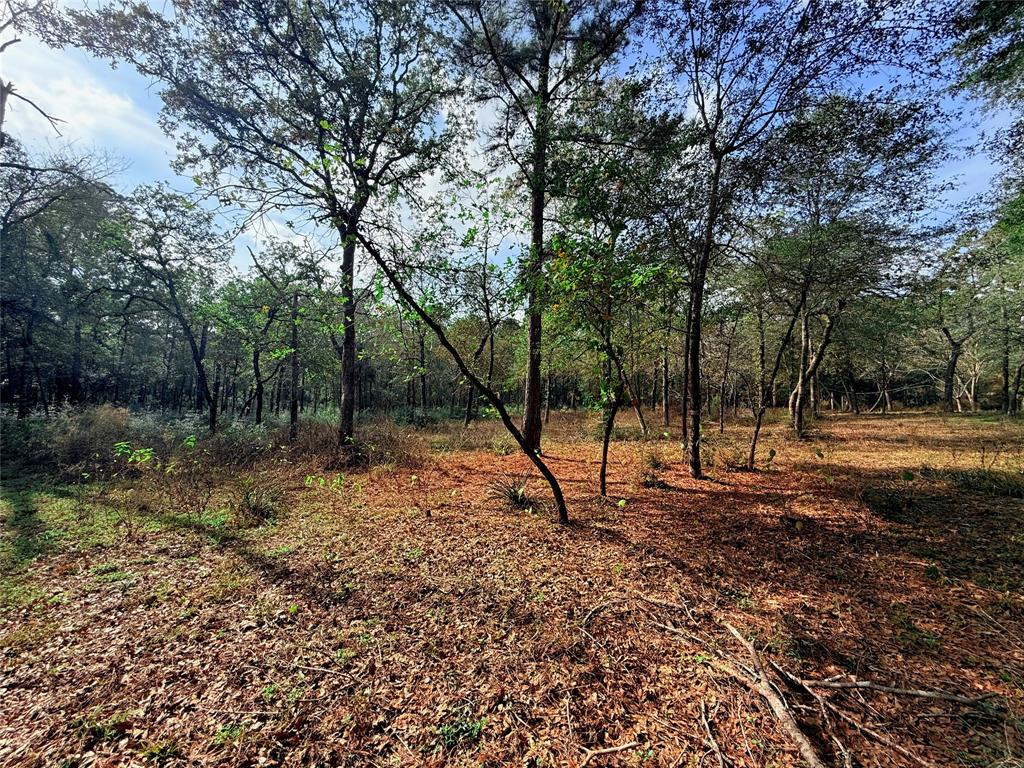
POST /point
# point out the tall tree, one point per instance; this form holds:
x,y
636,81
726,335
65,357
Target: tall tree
x,y
531,57
323,106
746,68
172,259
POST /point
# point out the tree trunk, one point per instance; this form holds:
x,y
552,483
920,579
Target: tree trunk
x,y
685,395
492,397
752,453
76,366
950,373
199,355
725,378
423,371
698,281
665,398
1005,363
293,411
538,187
347,389
606,437
547,399
1015,394
258,378
854,401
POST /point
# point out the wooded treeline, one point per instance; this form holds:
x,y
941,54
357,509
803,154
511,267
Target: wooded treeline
x,y
693,207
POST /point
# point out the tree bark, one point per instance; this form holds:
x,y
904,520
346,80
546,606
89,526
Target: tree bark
x,y
697,285
293,411
1015,394
347,402
606,436
538,186
666,400
949,375
1005,363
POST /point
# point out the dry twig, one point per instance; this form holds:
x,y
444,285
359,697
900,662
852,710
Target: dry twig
x,y
867,684
723,761
589,754
762,685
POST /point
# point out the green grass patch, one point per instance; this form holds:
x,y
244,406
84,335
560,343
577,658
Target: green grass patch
x,y
39,518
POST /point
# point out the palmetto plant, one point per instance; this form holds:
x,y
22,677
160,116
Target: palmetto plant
x,y
511,490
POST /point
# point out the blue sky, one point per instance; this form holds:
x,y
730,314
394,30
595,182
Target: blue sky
x,y
115,111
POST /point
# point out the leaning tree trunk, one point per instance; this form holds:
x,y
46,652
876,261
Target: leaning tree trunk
x,y
606,436
949,375
486,390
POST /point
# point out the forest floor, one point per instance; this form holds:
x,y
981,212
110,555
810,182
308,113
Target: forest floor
x,y
404,616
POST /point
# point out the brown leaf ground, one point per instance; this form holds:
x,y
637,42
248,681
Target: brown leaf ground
x,y
407,618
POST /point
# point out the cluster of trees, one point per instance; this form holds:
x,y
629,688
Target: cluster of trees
x,y
696,205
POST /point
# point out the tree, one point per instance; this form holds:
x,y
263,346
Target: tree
x,y
321,106
172,261
747,68
532,58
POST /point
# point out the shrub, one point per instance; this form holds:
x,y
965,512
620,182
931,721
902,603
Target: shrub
x,y
511,491
189,485
991,482
259,501
654,460
504,445
382,442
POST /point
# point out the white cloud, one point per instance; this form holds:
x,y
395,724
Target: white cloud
x,y
95,113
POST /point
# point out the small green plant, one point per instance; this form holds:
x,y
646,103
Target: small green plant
x,y
160,752
511,490
771,457
504,445
461,731
123,449
650,479
109,573
909,634
105,731
325,482
228,734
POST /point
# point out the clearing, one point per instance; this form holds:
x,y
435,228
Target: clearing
x,y
403,614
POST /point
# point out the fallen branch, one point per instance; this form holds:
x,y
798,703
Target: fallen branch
x,y
592,753
666,604
880,738
869,732
761,684
723,761
867,684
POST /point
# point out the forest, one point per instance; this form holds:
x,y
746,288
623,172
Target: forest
x,y
512,382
